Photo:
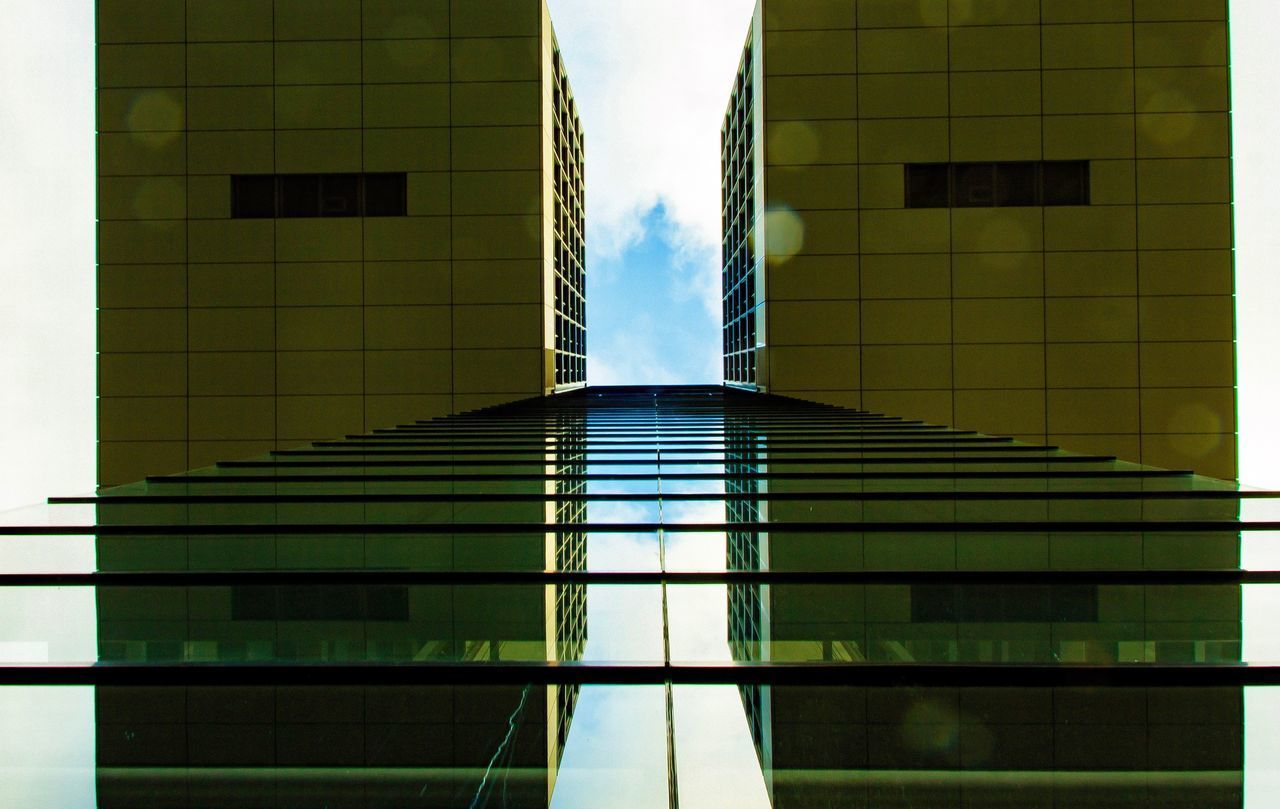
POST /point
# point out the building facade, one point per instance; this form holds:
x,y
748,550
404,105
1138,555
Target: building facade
x,y
320,217
1005,215
891,613
930,499
411,585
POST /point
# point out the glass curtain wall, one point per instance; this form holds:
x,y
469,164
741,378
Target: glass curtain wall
x,y
693,595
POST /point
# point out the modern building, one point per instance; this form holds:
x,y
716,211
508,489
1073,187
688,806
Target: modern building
x,y
900,614
1005,575
368,564
1006,215
321,216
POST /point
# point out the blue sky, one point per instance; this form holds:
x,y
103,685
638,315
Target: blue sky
x,y
652,80
647,320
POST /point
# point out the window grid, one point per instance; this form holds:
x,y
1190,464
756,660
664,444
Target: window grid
x,y
570,234
738,155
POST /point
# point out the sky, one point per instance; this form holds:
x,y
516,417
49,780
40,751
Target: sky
x,y
652,126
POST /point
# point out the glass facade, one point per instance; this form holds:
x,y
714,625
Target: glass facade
x,y
738,223
693,595
569,186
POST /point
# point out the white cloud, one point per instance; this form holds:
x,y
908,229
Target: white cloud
x,y
617,747
698,274
652,80
635,364
50,764
717,762
633,355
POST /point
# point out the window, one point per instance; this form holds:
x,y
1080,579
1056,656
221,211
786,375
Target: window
x,y
299,195
1066,182
927,185
1015,184
973,185
264,196
253,196
340,195
1002,185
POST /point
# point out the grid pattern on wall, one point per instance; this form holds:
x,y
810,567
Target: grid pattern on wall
x,y
1106,326
222,336
747,605
737,205
298,196
570,233
570,624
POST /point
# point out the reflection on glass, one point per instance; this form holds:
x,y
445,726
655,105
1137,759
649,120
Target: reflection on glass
x,y
692,596
1002,747
435,745
47,554
975,745
47,756
618,749
363,746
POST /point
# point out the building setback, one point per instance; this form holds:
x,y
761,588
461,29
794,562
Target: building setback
x,y
1011,216
911,615
321,216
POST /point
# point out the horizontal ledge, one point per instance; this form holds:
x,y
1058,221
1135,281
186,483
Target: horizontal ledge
x,y
319,458
357,528
377,578
379,781
982,675
1068,474
992,449
658,441
644,497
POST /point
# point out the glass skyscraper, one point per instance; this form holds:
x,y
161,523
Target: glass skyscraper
x,y
901,614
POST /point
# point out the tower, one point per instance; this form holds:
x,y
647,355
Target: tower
x,y
1013,217
318,218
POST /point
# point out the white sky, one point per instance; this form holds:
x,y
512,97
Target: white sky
x,y
652,78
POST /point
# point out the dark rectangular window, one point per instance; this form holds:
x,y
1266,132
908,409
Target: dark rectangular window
x,y
1015,184
340,195
299,195
973,185
1001,185
253,196
264,196
927,185
1066,182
